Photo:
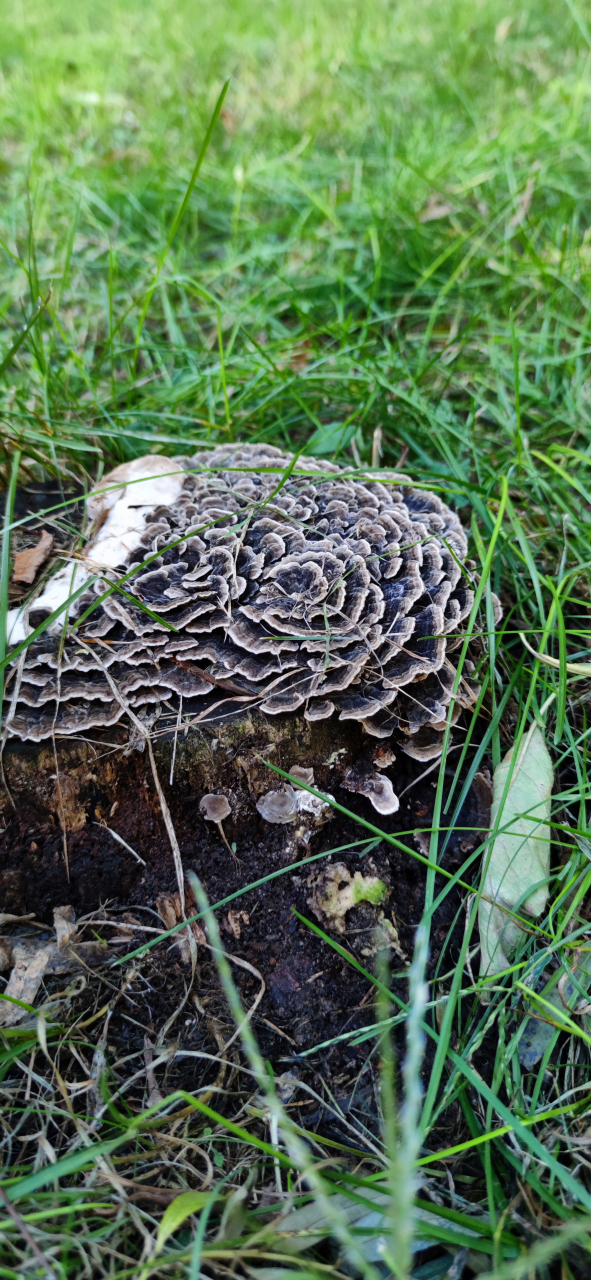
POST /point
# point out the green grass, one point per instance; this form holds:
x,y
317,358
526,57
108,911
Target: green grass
x,y
391,229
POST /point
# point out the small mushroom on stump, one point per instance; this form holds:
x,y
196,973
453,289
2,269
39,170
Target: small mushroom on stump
x,y
364,778
302,774
214,809
278,806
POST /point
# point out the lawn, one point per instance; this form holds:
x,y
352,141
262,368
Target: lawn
x,y
383,256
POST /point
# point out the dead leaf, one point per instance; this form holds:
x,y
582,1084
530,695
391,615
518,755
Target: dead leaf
x,y
33,959
304,1228
562,992
48,1151
519,863
170,910
286,1085
27,562
64,923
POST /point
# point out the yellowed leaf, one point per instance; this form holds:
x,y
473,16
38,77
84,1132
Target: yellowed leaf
x,y
518,868
182,1207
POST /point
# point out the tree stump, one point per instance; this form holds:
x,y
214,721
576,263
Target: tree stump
x,y
61,803
334,605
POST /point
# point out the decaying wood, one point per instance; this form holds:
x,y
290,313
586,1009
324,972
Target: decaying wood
x,y
97,787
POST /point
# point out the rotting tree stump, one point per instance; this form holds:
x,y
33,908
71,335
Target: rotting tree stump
x,y
322,595
68,800
62,803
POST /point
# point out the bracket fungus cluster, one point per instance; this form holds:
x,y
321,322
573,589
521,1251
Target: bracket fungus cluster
x,y
235,580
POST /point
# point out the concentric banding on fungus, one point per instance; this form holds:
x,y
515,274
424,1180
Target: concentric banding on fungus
x,y
320,593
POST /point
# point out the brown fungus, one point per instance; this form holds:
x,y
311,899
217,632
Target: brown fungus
x,y
302,774
278,806
366,778
215,808
295,805
323,593
376,787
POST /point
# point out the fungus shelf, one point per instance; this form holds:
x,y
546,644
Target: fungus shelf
x,y
235,580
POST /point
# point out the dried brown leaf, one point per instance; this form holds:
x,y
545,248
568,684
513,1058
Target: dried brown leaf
x,y
27,562
234,921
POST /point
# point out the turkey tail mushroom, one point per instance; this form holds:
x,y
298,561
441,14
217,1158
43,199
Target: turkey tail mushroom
x,y
327,595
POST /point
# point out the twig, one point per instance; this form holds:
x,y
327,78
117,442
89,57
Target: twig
x,y
120,840
376,448
176,734
154,1095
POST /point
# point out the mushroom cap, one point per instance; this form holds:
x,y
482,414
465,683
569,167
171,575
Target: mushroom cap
x,y
288,803
333,595
215,808
278,806
382,795
376,786
302,775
